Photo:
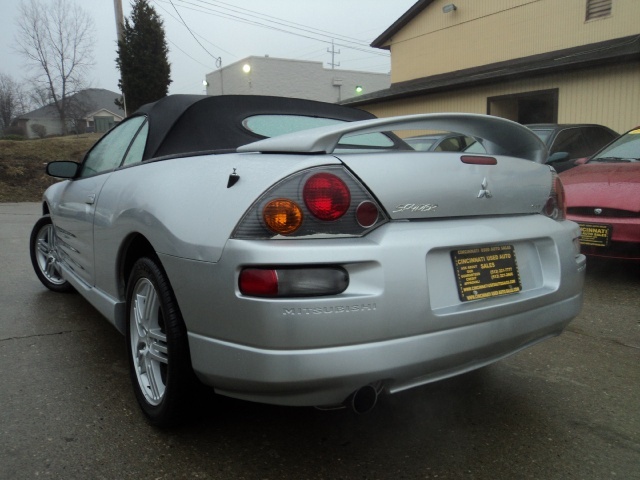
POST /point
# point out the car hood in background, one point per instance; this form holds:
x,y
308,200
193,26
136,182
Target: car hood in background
x,y
609,185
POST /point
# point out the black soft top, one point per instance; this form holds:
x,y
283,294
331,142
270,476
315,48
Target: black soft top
x,y
194,123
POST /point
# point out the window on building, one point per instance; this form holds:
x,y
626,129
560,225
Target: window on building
x,y
598,9
527,107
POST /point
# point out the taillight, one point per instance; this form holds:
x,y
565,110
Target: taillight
x,y
555,207
320,202
292,282
326,196
260,282
367,214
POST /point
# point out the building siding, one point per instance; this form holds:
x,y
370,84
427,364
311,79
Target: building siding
x,y
608,96
489,31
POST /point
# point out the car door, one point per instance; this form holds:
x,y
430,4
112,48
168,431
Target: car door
x,y
74,213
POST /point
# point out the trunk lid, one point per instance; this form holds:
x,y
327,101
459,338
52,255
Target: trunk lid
x,y
419,185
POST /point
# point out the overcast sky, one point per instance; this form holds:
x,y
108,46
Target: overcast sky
x,y
232,30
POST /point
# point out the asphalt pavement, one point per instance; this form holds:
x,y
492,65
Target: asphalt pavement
x,y
568,408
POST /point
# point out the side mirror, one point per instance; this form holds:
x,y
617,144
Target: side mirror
x,y
63,169
558,157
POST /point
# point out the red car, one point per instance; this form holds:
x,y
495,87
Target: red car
x,y
603,197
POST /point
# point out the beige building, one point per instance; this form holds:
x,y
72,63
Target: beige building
x,y
560,61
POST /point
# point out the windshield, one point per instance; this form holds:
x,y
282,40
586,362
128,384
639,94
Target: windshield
x,y
624,149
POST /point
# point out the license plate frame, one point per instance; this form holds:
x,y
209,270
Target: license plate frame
x,y
486,272
595,234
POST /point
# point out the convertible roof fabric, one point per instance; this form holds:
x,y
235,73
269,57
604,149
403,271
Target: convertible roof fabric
x,y
193,123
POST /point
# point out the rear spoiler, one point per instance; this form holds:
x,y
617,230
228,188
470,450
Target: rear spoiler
x,y
499,136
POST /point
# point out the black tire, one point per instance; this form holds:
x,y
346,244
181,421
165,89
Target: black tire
x,y
45,258
157,346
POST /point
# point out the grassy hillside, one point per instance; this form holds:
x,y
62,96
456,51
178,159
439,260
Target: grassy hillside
x,y
22,164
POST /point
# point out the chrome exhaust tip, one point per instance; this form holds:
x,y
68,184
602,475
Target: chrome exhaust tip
x,y
363,400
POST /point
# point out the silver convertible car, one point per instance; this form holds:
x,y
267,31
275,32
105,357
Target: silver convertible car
x,y
300,253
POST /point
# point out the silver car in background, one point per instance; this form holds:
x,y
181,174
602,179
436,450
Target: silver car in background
x,y
299,253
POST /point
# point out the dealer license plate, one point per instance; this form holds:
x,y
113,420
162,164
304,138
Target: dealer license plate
x,y
486,272
594,234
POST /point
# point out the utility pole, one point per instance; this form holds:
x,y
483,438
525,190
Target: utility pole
x,y
117,8
333,53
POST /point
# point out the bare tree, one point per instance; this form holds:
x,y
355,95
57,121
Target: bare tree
x,y
40,96
13,100
56,38
80,105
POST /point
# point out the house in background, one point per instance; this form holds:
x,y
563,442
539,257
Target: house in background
x,y
560,61
292,78
93,110
102,120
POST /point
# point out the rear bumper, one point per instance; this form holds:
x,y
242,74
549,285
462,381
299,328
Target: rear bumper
x,y
326,376
400,322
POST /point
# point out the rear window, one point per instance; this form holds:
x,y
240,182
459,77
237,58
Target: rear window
x,y
274,125
543,134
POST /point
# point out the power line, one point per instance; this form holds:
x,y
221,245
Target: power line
x,y
280,21
217,59
201,37
194,59
239,19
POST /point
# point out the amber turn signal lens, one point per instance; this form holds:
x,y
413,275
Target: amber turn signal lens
x,y
282,216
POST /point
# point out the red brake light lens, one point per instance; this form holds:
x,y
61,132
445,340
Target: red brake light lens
x,y
284,282
258,282
326,196
367,214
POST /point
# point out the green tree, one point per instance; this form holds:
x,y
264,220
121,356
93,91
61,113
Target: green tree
x,y
145,72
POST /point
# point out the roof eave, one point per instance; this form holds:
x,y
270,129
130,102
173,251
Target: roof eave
x,y
400,23
621,50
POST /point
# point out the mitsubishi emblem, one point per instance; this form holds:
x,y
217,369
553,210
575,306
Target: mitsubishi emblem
x,y
484,192
597,211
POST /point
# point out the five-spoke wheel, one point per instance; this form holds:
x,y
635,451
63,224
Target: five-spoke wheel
x,y
148,341
159,358
44,256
